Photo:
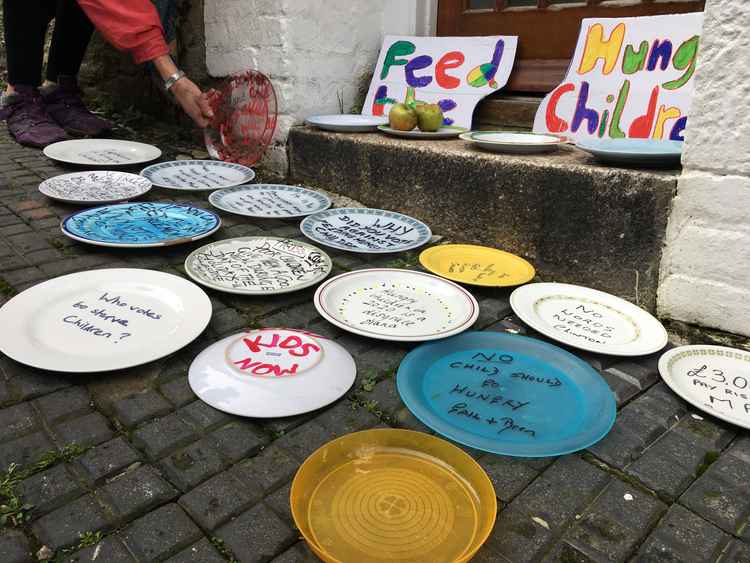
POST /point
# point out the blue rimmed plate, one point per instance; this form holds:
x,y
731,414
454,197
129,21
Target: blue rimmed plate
x,y
360,229
507,394
197,175
140,225
276,201
649,152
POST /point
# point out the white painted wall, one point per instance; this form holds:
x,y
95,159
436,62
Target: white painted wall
x,y
705,273
313,50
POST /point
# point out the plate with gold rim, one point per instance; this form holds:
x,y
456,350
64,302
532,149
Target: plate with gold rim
x,y
477,265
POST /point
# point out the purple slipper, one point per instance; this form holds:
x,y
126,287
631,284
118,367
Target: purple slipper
x,y
65,105
28,120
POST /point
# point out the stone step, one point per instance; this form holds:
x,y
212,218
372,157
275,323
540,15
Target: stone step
x,y
575,220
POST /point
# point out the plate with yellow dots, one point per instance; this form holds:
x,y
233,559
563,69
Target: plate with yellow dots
x,y
477,265
393,304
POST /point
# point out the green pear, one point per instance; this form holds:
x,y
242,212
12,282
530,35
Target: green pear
x,y
402,117
429,117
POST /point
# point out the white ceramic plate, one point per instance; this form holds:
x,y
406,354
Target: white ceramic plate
x,y
258,265
648,152
588,319
510,142
102,152
103,320
714,379
95,187
446,132
197,175
272,373
277,201
392,304
346,123
360,229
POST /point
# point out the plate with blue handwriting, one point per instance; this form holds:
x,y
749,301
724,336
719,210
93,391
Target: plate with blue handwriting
x,y
360,229
197,175
507,394
270,201
140,225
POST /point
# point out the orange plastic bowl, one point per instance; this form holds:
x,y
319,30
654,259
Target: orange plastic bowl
x,y
392,495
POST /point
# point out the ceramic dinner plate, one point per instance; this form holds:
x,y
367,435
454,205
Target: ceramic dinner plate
x,y
507,394
197,175
392,304
445,132
347,123
588,319
365,230
477,265
269,201
101,152
512,142
258,265
95,187
272,373
140,225
648,152
103,320
714,379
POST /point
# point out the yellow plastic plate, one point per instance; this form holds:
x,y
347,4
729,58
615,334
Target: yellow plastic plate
x,y
392,495
477,265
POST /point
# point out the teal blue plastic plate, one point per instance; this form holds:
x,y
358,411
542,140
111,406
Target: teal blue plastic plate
x,y
507,394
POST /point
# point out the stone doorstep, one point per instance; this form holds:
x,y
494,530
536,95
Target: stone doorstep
x,y
575,220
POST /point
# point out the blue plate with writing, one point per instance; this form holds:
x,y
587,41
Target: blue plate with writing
x,y
507,394
141,225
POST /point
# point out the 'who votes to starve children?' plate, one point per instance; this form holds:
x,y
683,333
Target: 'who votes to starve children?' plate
x,y
258,265
365,230
95,187
140,225
507,394
103,320
101,152
272,372
588,319
277,201
714,379
197,175
392,304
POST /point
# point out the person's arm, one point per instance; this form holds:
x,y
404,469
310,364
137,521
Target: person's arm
x,y
134,26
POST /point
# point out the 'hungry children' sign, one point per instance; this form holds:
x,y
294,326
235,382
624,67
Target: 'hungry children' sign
x,y
629,77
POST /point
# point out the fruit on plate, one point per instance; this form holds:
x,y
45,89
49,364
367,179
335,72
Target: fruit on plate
x,y
402,117
429,117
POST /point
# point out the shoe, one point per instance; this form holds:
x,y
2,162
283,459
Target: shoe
x,y
28,120
65,105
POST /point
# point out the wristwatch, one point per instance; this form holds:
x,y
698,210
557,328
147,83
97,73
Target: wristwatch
x,y
170,81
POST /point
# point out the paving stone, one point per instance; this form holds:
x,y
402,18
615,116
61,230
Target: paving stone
x,y
508,475
85,431
380,361
201,552
304,440
299,553
28,242
683,536
64,404
107,459
204,417
64,526
218,499
133,410
162,436
257,535
342,419
736,552
43,256
14,547
136,491
270,469
49,489
491,310
713,434
227,321
25,450
178,392
238,440
190,466
161,533
29,382
109,550
279,503
16,421
623,389
635,374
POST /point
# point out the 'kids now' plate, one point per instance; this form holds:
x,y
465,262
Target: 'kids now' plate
x,y
360,229
507,394
477,265
347,123
269,201
643,152
140,225
197,175
588,319
714,379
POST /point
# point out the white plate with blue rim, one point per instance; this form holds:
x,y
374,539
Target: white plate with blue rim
x,y
642,152
347,123
95,187
197,175
269,201
361,229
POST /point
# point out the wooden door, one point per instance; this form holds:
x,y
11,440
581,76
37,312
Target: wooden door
x,y
547,30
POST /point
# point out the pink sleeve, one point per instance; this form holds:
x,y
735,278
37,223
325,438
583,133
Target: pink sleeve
x,y
131,26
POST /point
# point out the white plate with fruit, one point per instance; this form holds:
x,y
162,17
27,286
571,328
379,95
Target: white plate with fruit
x,y
419,120
445,132
347,123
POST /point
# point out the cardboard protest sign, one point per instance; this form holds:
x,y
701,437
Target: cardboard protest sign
x,y
629,78
454,72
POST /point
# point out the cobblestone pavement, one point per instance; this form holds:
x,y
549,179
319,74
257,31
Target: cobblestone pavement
x,y
129,466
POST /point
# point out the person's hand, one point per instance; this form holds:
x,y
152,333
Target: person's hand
x,y
193,101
